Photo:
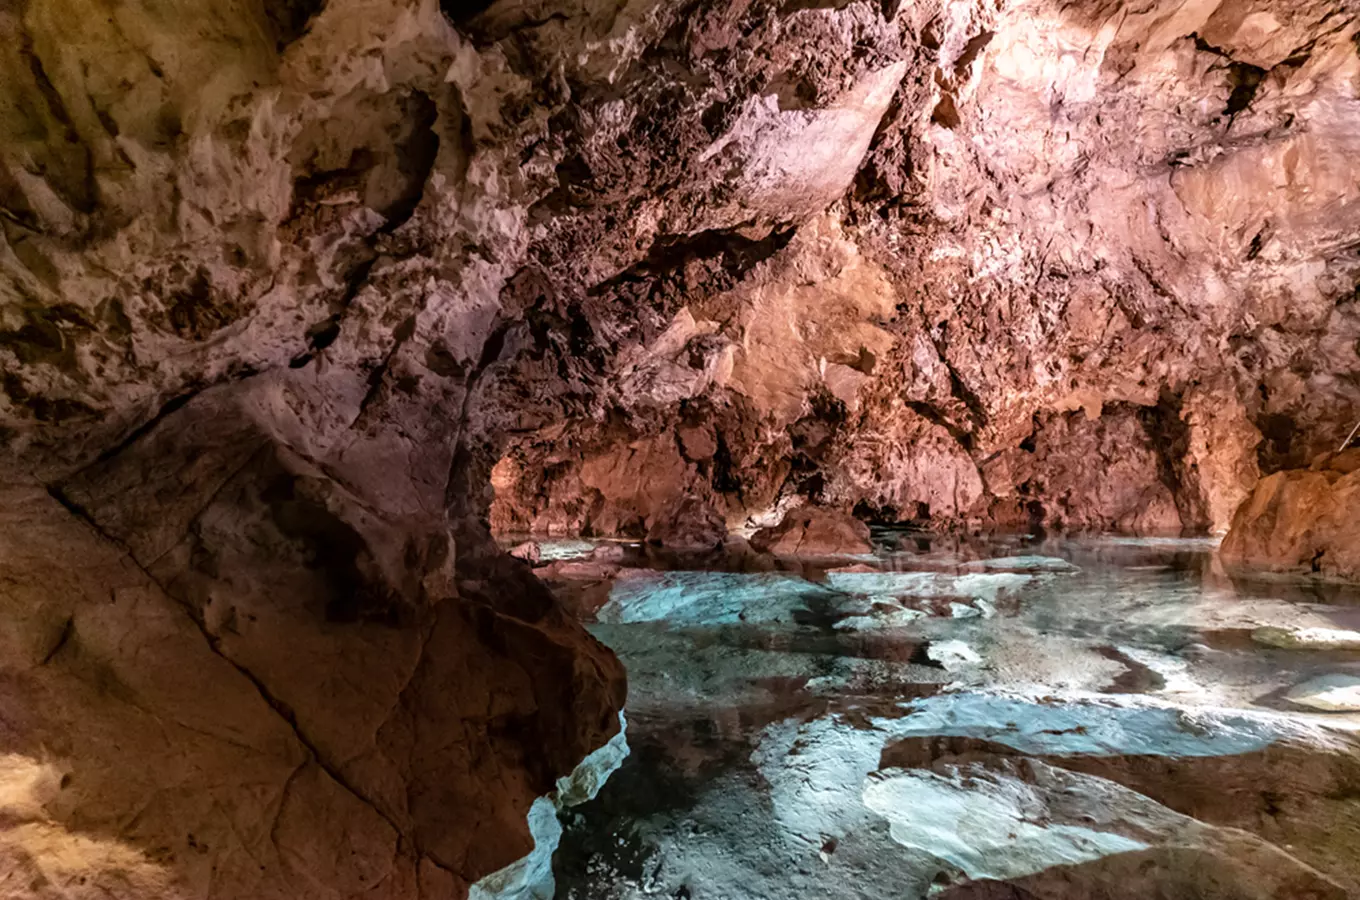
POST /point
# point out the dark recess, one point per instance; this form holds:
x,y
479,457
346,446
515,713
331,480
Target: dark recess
x,y
289,19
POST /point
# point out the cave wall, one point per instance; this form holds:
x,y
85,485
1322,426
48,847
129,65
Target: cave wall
x,y
297,297
1143,213
257,641
868,252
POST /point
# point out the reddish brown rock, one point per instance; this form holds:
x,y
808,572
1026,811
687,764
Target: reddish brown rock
x,y
1301,521
814,532
293,301
690,525
529,551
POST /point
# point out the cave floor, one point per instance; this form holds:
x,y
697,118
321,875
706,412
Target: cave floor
x,y
988,719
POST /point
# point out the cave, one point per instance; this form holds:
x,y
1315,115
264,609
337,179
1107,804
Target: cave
x,y
723,450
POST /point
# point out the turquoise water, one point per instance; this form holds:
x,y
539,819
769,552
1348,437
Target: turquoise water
x,y
1107,717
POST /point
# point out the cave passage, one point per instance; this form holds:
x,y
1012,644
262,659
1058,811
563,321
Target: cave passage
x,y
691,449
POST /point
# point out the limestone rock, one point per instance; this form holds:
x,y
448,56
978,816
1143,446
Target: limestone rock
x,y
529,551
1307,638
814,532
1329,693
296,298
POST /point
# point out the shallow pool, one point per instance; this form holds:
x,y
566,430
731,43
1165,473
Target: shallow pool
x,y
999,719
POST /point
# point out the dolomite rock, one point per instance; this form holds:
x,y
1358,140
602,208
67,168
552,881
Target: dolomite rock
x,y
1058,834
256,747
988,330
529,551
814,532
1329,693
1308,638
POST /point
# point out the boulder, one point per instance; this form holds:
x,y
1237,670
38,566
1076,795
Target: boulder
x,y
690,525
1301,521
815,531
529,551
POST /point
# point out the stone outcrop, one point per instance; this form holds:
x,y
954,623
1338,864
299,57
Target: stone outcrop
x,y
1114,316
1305,520
689,525
814,532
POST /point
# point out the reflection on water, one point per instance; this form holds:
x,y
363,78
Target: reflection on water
x,y
1099,718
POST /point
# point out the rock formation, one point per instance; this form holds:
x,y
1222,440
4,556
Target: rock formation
x,y
946,261
688,525
1302,520
814,532
1093,271
296,298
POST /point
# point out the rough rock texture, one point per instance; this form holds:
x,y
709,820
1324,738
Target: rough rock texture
x,y
1095,270
688,525
296,296
814,532
1305,520
262,644
232,721
861,254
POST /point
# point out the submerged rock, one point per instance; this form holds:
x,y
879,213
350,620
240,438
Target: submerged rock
x,y
815,531
531,878
1063,835
608,553
1329,693
1308,638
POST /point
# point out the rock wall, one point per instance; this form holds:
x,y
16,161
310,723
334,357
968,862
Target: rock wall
x,y
295,297
756,253
1141,213
1302,520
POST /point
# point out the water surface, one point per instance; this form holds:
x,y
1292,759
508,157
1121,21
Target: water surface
x,y
1104,717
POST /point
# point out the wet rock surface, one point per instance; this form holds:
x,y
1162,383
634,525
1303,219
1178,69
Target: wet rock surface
x,y
1070,719
689,525
814,532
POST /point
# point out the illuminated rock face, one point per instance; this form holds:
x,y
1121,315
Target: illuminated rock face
x,y
1304,520
295,296
1035,267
